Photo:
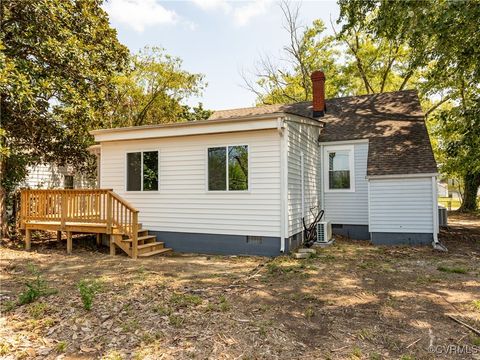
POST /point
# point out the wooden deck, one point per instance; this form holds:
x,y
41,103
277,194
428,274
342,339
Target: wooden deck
x,y
96,211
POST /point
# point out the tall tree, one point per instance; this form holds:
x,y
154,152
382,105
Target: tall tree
x,y
59,59
444,39
153,90
288,80
354,63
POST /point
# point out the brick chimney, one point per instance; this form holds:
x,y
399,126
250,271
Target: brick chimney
x,y
318,86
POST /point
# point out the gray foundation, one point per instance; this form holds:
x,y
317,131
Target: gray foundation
x,y
293,242
219,244
356,232
382,238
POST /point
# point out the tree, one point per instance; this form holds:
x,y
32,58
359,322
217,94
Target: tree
x,y
151,92
444,39
354,63
374,65
288,80
57,69
457,129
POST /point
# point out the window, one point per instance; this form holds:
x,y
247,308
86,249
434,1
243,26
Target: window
x,y
228,168
68,182
142,171
339,168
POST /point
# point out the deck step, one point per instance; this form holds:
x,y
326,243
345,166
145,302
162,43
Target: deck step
x,y
155,252
144,232
141,238
152,244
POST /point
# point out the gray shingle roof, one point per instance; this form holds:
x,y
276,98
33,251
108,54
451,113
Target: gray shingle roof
x,y
393,123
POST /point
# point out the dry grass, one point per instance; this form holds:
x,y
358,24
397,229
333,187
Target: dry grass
x,y
352,301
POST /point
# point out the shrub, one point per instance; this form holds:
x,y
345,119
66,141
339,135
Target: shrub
x,y
88,289
34,289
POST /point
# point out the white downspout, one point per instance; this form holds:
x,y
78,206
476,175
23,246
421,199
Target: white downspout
x,y
283,131
322,179
302,185
436,244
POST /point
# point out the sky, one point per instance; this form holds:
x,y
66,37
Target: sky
x,y
217,38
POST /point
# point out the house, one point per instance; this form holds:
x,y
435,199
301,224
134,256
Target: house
x,y
51,176
241,181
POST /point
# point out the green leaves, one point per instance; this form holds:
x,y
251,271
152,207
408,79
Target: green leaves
x,y
152,91
59,60
88,289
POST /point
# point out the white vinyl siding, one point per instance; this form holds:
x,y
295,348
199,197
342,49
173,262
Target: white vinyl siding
x,y
183,203
351,207
302,138
401,205
49,176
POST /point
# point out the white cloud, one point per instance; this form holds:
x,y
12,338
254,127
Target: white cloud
x,y
243,14
213,5
241,11
139,14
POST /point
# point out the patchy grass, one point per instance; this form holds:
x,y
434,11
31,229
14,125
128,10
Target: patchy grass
x,y
309,312
475,340
476,305
184,300
452,270
162,310
352,301
61,346
175,320
8,305
37,310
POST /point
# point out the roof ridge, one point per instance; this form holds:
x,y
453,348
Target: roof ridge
x,y
309,101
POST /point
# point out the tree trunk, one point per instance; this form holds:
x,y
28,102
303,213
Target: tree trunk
x,y
3,214
471,185
3,202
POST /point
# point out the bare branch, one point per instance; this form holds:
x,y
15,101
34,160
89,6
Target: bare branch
x,y
446,98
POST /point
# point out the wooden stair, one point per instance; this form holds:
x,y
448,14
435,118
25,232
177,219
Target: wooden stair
x,y
147,244
96,211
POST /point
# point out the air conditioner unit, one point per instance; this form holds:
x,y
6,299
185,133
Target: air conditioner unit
x,y
324,231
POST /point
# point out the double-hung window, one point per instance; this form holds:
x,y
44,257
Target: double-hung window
x,y
68,181
142,171
228,168
339,168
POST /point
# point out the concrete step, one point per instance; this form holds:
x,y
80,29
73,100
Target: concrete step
x,y
306,251
301,255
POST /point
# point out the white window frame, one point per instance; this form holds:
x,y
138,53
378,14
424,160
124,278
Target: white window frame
x,y
226,179
141,170
351,161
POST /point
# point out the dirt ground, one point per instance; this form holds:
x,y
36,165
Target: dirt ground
x,y
351,300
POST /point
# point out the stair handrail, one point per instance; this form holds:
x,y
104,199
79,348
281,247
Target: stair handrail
x,y
116,216
81,205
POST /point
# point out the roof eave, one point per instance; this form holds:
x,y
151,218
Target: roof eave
x,y
188,123
206,127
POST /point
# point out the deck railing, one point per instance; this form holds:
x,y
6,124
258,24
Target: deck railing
x,y
86,206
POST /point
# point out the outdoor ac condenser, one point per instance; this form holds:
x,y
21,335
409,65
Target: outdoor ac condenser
x,y
324,231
